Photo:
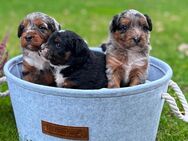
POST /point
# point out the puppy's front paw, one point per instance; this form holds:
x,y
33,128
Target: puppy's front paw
x,y
113,80
112,84
69,84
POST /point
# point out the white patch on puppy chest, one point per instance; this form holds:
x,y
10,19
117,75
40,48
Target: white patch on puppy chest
x,y
33,59
135,60
59,78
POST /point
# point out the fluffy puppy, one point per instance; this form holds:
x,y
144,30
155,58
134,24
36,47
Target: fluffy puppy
x,y
127,50
33,31
75,65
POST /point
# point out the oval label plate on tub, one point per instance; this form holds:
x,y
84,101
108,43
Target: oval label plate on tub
x,y
67,132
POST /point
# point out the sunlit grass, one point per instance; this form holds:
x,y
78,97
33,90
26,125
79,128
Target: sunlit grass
x,y
90,19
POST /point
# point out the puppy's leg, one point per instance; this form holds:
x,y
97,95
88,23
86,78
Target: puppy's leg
x,y
34,75
46,78
29,72
137,76
114,72
114,79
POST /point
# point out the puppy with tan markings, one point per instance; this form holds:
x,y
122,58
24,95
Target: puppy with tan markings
x,y
33,31
75,65
127,50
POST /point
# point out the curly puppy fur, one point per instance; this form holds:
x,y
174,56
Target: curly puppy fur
x,y
33,31
75,65
127,50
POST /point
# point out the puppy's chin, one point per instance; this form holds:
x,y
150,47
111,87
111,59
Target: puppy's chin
x,y
56,61
53,62
133,45
31,47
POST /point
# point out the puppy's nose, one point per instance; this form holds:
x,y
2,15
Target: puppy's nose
x,y
136,39
28,38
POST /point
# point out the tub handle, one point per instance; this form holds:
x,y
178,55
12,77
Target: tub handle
x,y
172,102
6,93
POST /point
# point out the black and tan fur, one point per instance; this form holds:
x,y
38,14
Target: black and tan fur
x,y
74,64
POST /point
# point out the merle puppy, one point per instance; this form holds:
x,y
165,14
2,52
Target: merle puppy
x,y
74,64
33,31
127,50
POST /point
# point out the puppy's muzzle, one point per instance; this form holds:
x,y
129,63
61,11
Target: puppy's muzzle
x,y
31,37
28,38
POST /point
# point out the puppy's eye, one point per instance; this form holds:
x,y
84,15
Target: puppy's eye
x,y
123,28
42,28
57,45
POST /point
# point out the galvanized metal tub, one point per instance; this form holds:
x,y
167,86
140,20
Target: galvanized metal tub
x,y
45,113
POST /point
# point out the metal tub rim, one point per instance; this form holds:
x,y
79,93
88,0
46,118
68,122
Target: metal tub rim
x,y
96,93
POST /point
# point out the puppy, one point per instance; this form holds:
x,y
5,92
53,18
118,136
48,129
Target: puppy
x,y
75,65
33,31
127,50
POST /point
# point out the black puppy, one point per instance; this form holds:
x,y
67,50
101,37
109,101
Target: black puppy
x,y
74,64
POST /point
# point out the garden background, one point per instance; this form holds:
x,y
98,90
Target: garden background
x,y
90,19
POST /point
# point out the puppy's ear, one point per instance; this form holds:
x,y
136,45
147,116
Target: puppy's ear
x,y
103,47
80,52
54,25
80,48
149,21
20,30
57,25
114,24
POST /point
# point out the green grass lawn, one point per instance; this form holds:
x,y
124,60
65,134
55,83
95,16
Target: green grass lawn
x,y
90,19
